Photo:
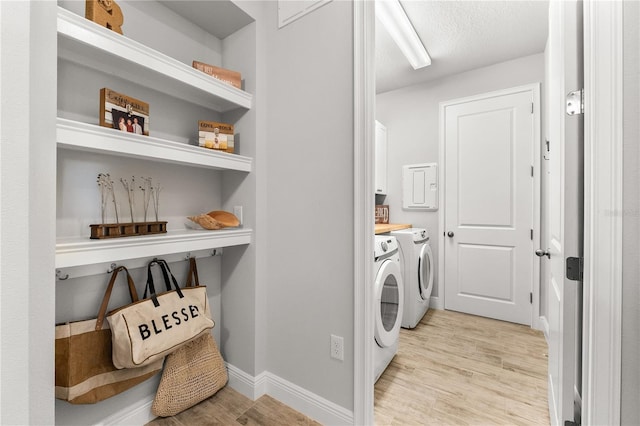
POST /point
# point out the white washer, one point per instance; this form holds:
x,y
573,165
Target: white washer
x,y
416,259
389,301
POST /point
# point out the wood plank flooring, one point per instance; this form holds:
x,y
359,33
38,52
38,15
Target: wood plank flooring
x,y
460,369
452,369
228,407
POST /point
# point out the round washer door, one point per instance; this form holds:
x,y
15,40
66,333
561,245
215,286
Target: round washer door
x,y
389,299
425,272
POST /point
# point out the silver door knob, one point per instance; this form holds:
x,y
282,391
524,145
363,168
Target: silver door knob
x,y
541,253
450,234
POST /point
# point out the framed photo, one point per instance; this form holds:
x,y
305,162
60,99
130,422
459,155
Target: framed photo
x,y
214,135
124,113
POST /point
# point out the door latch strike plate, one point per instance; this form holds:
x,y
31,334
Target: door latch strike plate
x,y
574,268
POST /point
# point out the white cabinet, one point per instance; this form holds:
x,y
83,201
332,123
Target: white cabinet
x,y
381,159
91,57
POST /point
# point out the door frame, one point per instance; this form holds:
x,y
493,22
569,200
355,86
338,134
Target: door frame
x,y
536,322
364,99
603,90
603,189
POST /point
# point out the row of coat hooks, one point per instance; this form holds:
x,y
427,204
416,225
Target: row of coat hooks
x,y
99,268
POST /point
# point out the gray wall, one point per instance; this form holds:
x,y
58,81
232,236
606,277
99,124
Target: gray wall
x,y
630,409
411,115
310,204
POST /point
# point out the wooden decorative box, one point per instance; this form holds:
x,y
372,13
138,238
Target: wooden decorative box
x,y
117,230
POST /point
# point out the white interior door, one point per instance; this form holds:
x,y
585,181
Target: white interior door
x,y
565,211
489,142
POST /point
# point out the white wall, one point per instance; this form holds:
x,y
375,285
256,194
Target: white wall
x,y
310,204
27,200
630,386
411,117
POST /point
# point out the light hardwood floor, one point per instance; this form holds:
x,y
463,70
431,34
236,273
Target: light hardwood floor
x,y
453,369
461,369
228,407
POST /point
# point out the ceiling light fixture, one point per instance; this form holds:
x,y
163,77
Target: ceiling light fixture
x,y
394,18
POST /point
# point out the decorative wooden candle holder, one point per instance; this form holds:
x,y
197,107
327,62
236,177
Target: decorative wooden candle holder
x,y
117,230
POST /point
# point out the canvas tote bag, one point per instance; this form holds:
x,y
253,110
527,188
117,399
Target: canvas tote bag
x,y
85,373
192,373
150,329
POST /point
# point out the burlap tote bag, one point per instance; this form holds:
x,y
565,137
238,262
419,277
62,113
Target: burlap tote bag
x,y
85,373
191,374
150,329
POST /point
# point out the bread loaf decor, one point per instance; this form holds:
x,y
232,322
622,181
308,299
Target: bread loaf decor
x,y
216,219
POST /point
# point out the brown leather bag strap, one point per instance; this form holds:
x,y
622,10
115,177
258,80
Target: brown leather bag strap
x,y
107,295
193,273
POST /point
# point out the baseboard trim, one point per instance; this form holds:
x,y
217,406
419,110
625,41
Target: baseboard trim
x,y
265,383
436,303
249,386
300,399
545,328
136,414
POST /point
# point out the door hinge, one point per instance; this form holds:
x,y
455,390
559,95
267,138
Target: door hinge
x,y
531,171
531,107
575,102
532,235
531,298
574,269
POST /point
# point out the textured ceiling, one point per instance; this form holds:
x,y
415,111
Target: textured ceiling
x,y
461,36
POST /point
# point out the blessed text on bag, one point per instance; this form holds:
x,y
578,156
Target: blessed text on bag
x,y
165,320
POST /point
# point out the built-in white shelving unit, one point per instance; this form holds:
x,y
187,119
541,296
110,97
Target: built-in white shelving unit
x,y
83,42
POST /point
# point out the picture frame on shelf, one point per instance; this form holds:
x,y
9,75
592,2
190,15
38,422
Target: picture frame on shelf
x,y
217,136
124,113
234,78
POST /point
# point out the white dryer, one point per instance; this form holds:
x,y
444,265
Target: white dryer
x,y
388,300
416,259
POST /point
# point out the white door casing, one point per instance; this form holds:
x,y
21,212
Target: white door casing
x,y
565,208
489,143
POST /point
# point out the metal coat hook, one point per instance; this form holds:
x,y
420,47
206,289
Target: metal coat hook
x,y
214,252
112,268
59,275
545,155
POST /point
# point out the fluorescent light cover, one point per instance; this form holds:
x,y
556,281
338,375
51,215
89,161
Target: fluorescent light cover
x,y
392,15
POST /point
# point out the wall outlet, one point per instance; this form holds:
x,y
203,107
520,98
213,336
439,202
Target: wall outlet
x,y
237,211
337,347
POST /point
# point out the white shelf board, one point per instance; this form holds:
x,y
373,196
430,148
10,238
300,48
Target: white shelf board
x,y
88,137
84,42
80,251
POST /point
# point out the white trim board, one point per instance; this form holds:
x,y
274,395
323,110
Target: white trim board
x,y
536,321
603,189
363,209
296,397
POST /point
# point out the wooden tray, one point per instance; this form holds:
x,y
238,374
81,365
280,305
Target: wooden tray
x,y
117,230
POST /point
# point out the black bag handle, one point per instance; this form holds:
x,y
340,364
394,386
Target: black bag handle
x,y
166,272
107,294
